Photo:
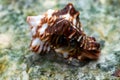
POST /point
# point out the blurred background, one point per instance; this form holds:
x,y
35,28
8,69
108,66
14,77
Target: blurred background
x,y
99,18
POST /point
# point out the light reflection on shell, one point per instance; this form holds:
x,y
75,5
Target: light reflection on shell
x,y
61,31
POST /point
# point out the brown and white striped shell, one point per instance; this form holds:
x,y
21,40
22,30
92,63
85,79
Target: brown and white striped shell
x,y
61,31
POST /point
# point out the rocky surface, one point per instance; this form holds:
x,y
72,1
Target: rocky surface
x,y
99,19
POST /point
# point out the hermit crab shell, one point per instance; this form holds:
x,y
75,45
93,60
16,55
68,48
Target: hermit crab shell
x,y
39,24
60,30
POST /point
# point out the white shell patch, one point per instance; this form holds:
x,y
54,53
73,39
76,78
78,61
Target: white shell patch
x,y
50,12
43,28
36,42
35,20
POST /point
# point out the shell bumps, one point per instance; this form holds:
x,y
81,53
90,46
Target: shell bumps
x,y
61,31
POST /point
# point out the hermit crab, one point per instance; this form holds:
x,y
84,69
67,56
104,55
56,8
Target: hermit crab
x,y
61,31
